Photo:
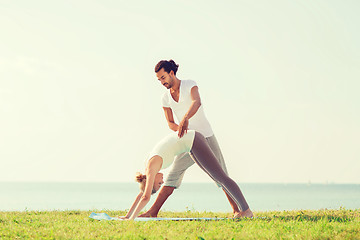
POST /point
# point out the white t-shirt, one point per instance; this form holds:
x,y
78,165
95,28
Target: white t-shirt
x,y
198,122
171,146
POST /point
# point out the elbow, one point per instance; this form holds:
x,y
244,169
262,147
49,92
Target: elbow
x,y
198,103
145,198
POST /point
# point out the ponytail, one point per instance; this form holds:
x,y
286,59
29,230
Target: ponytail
x,y
141,179
168,66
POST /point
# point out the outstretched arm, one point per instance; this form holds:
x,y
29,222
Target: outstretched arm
x,y
133,206
195,105
153,168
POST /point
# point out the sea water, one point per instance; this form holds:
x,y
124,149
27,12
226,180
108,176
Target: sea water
x,y
16,196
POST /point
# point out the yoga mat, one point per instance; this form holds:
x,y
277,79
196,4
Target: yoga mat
x,y
104,216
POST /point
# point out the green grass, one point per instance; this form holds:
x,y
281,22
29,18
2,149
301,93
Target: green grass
x,y
305,224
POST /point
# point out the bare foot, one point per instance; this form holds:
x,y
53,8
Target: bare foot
x,y
237,213
247,213
147,215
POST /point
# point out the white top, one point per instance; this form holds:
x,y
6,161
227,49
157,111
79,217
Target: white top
x,y
197,122
171,146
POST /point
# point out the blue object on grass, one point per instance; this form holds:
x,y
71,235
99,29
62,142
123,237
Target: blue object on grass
x,y
104,216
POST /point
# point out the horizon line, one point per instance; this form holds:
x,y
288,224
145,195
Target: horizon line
x,y
210,182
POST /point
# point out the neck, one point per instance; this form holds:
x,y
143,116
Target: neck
x,y
176,84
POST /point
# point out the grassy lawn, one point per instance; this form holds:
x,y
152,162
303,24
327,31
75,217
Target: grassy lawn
x,y
305,224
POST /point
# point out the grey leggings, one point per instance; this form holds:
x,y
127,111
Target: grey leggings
x,y
201,154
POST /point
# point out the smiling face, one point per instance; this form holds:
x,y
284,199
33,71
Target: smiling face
x,y
158,181
166,79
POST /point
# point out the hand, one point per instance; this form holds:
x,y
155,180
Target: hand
x,y
183,127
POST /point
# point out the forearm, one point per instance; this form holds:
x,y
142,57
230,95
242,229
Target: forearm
x,y
133,206
194,107
170,119
173,126
140,206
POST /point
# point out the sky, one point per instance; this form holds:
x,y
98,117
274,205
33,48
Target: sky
x,y
279,83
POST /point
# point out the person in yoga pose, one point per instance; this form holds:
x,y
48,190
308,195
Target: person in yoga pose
x,y
182,99
162,156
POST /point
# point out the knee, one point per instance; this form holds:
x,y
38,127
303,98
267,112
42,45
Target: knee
x,y
226,180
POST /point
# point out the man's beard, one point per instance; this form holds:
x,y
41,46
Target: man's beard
x,y
169,84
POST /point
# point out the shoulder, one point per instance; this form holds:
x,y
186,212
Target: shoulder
x,y
189,84
165,99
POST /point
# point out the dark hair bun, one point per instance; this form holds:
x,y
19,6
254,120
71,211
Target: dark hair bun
x,y
174,65
168,66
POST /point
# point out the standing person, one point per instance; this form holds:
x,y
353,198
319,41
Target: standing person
x,y
183,100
